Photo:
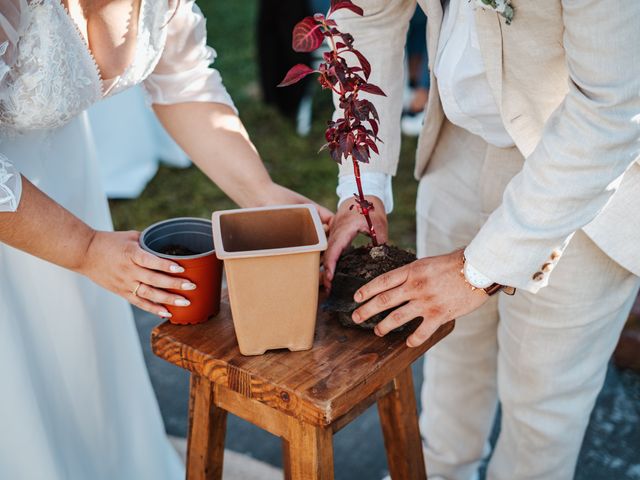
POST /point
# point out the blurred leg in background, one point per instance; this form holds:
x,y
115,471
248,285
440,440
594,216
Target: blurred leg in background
x,y
276,19
419,82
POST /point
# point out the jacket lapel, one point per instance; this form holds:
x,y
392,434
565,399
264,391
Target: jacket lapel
x,y
434,115
490,38
433,9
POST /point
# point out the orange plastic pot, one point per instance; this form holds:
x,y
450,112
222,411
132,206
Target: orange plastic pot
x,y
202,268
272,260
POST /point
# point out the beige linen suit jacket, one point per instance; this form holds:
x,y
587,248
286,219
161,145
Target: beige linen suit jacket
x,y
566,77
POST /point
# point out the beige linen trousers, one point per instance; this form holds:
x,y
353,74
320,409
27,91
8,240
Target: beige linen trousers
x,y
543,356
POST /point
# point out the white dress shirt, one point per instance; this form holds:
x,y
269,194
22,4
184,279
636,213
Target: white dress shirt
x,y
466,99
464,90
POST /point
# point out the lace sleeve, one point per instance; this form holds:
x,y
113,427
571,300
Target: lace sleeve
x,y
183,73
12,21
10,186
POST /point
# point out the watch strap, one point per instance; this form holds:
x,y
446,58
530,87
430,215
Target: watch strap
x,y
496,287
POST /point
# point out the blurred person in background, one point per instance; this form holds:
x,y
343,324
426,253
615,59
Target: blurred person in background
x,y
77,402
276,20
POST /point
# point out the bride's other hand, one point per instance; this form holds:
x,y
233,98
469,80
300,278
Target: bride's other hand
x,y
115,261
276,194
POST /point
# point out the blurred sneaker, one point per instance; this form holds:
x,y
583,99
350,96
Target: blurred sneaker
x,y
407,97
411,123
419,100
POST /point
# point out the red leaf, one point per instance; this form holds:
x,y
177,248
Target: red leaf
x,y
307,35
361,154
374,112
366,66
340,4
297,73
346,144
347,38
374,127
335,154
373,146
373,89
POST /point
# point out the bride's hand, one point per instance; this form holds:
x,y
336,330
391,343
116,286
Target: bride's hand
x,y
276,194
115,261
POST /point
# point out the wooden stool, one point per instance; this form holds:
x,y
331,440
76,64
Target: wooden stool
x,y
302,397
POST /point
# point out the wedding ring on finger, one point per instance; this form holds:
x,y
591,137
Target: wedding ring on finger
x,y
135,290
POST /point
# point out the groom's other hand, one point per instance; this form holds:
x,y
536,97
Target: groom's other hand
x,y
346,225
432,288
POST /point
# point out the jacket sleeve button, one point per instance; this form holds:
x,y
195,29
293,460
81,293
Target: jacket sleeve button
x,y
555,255
538,276
547,267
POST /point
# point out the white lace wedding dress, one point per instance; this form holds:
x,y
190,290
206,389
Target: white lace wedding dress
x,y
75,398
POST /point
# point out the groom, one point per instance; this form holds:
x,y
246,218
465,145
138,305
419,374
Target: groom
x,y
529,178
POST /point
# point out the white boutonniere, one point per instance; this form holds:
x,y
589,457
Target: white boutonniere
x,y
502,7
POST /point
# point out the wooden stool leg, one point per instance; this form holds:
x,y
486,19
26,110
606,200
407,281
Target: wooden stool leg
x,y
308,452
286,460
399,419
207,429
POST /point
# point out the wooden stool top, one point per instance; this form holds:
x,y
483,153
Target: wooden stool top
x,y
345,368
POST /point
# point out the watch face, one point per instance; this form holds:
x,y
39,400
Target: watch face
x,y
476,278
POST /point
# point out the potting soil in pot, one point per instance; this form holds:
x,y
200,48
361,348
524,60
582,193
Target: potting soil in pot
x,y
177,250
355,268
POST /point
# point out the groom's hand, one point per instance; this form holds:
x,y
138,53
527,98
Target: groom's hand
x,y
345,226
432,288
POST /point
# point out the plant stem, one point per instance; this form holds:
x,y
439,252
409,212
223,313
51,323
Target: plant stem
x,y
333,42
356,168
365,212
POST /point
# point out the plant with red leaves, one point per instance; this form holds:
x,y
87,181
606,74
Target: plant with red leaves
x,y
354,135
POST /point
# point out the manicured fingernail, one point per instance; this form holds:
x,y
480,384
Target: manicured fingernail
x,y
188,286
377,332
182,302
357,297
164,314
176,269
355,317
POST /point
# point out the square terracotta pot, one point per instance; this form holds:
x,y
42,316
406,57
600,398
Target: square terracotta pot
x,y
272,259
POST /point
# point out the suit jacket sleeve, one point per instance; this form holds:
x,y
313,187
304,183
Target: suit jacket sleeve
x,y
587,145
381,36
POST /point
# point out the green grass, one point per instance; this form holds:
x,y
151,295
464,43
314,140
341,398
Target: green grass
x,y
292,161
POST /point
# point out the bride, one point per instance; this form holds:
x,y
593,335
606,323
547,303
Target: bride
x,y
76,400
